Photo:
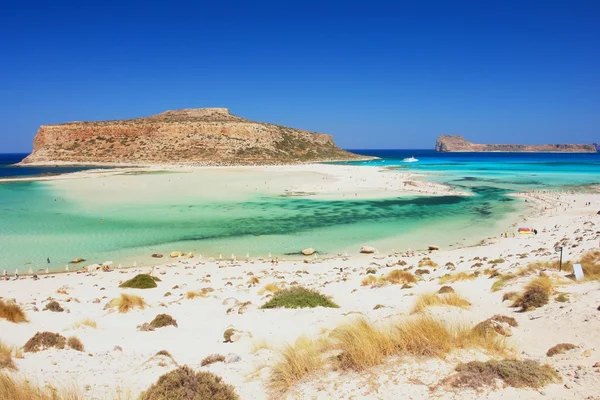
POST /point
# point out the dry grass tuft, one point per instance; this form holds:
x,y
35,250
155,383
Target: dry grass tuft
x,y
536,294
12,312
54,307
258,345
397,277
253,281
6,360
515,373
14,388
510,296
501,281
433,299
126,302
590,264
192,294
211,359
459,276
74,343
269,287
295,362
427,262
368,281
562,298
560,348
85,322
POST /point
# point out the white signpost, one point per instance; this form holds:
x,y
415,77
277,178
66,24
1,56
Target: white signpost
x,y
578,271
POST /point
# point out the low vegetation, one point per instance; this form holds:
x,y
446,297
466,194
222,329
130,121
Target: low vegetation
x,y
126,302
54,307
6,361
253,281
459,276
496,261
74,343
269,287
560,348
295,362
299,297
12,312
211,359
85,322
162,320
45,340
562,298
183,384
433,299
427,262
360,344
15,388
590,265
501,281
192,294
400,277
140,281
515,373
536,294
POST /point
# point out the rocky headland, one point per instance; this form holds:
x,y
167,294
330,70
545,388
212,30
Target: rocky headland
x,y
202,136
451,143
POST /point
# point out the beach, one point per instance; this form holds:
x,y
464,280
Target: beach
x,y
120,361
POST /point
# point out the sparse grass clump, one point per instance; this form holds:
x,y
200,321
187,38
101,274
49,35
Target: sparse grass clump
x,y
85,322
12,312
126,302
183,384
54,307
211,359
445,289
299,297
459,276
515,373
368,281
269,287
494,325
44,340
6,360
14,388
501,281
590,264
296,361
560,348
562,298
433,299
397,276
496,261
74,343
536,294
253,281
509,296
140,281
427,262
192,294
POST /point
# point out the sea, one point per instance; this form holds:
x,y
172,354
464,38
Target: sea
x,y
62,220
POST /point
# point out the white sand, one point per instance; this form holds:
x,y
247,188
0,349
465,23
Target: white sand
x,y
101,370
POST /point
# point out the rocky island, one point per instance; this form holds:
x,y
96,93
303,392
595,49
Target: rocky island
x,y
203,136
452,143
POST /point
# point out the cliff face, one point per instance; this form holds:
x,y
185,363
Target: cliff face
x,y
210,136
450,143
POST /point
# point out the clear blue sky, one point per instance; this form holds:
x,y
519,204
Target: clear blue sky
x,y
374,74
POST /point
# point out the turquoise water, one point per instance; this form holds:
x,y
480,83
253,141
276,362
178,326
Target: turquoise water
x,y
40,220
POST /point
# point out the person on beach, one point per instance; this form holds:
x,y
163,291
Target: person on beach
x,y
48,260
6,275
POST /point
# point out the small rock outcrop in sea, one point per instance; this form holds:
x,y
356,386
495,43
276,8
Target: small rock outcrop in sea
x,y
308,252
452,143
199,136
367,250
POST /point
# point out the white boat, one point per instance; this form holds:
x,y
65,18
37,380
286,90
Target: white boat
x,y
410,159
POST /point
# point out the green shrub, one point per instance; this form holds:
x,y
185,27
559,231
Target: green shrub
x,y
185,384
141,281
299,297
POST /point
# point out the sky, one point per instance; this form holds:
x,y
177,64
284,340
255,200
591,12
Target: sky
x,y
373,74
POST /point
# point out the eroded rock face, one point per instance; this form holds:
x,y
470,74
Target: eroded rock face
x,y
204,136
451,143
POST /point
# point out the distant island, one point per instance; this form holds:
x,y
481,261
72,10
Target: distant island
x,y
203,136
452,143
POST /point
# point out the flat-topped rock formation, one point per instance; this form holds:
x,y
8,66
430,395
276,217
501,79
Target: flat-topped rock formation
x,y
204,136
451,143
